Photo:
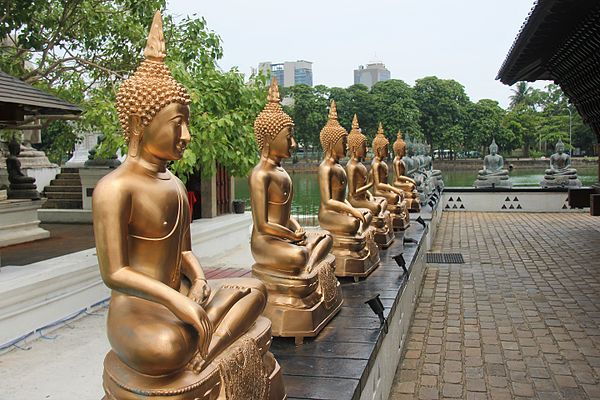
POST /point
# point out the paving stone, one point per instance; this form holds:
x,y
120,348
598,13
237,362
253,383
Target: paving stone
x,y
520,319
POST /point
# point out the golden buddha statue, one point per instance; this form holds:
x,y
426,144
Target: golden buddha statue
x,y
401,181
354,245
359,185
173,334
379,172
296,266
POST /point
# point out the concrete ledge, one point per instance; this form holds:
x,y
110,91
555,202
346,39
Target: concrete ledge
x,y
60,216
40,294
19,222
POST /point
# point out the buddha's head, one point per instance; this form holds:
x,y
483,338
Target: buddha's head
x,y
560,147
380,144
357,142
399,145
152,105
493,148
334,138
410,147
273,128
14,148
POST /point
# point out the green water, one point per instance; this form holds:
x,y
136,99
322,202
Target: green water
x,y
306,186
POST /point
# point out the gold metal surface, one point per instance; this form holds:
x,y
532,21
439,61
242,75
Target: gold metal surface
x,y
379,173
359,185
354,245
296,267
172,335
401,181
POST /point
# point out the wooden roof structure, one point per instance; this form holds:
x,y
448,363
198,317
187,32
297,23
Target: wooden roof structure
x,y
560,41
21,103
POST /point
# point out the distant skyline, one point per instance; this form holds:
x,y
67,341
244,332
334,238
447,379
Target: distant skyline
x,y
465,40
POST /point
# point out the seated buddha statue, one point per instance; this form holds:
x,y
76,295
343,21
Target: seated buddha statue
x,y
359,185
296,266
20,186
173,334
354,247
493,174
379,173
401,181
560,172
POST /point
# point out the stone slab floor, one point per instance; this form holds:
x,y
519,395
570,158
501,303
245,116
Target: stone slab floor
x,y
519,320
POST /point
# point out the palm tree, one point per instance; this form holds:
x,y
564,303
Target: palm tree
x,y
521,95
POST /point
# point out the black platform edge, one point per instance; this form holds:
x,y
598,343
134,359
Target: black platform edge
x,y
336,364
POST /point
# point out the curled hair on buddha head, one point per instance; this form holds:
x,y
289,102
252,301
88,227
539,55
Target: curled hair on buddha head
x,y
356,138
380,140
272,119
332,131
399,145
151,87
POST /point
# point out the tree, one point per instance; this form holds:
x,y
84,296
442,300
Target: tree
x,y
309,113
442,103
485,120
397,108
522,95
82,49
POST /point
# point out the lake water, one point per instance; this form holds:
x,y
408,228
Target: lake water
x,y
306,185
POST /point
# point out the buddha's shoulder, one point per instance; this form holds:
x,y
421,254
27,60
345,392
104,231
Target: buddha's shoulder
x,y
117,183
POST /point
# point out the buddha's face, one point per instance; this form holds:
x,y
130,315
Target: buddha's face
x,y
282,145
383,152
493,150
340,147
560,149
167,135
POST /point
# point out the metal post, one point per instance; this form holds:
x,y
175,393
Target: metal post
x,y
570,135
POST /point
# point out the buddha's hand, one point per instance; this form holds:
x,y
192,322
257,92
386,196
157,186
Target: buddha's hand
x,y
200,291
299,235
359,215
192,313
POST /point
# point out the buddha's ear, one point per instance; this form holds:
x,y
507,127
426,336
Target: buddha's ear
x,y
136,131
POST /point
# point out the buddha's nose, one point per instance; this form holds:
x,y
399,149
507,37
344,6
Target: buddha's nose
x,y
293,145
185,134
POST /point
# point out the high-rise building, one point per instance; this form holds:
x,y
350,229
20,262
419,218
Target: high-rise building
x,y
371,74
289,73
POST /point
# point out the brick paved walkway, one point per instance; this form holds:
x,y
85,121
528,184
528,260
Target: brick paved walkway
x,y
520,319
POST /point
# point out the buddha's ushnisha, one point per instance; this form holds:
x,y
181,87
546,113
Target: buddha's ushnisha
x,y
356,138
332,132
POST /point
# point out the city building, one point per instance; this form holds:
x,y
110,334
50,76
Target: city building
x,y
371,74
289,73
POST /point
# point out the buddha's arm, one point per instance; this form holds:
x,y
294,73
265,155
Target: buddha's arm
x,y
353,190
325,177
111,213
259,184
191,268
501,163
293,225
382,185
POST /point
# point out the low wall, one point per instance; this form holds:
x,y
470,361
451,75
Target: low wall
x,y
34,297
507,200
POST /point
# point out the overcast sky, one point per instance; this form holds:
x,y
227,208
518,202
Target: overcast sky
x,y
466,40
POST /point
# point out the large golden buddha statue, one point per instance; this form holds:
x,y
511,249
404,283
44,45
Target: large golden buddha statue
x,y
401,181
295,265
354,245
379,173
359,185
173,334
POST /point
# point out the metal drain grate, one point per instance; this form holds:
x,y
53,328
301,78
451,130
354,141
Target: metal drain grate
x,y
445,258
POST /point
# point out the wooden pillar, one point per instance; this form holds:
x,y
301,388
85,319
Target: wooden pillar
x,y
208,198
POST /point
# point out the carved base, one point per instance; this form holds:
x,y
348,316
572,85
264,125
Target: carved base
x,y
493,181
413,205
301,306
23,193
565,181
214,382
384,233
356,256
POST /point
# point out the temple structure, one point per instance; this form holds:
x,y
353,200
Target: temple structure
x,y
173,334
560,41
296,266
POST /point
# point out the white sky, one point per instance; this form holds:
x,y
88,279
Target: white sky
x,y
466,40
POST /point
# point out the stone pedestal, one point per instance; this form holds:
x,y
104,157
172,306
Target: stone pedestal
x,y
19,222
561,181
89,179
34,163
493,182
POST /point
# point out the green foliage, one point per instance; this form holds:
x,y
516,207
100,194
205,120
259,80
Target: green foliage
x,y
60,135
309,113
396,108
